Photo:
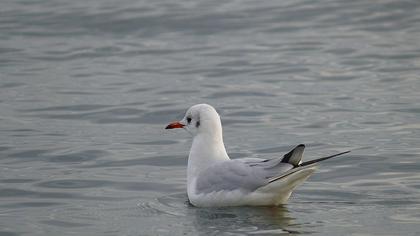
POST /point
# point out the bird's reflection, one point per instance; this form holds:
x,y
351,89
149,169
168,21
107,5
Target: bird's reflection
x,y
213,221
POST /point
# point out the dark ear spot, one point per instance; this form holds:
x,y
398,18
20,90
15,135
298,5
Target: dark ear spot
x,y
197,124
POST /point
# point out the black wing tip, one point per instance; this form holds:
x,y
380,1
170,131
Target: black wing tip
x,y
341,153
323,158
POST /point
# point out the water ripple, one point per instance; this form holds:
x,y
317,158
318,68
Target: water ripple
x,y
87,88
85,183
174,160
19,193
44,155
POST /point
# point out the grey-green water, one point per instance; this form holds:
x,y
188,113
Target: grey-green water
x,y
87,87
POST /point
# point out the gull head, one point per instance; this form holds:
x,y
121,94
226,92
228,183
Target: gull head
x,y
199,119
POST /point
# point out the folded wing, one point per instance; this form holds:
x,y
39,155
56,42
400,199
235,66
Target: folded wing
x,y
247,174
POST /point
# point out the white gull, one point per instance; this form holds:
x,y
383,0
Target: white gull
x,y
213,179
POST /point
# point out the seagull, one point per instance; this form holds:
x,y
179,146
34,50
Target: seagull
x,y
215,180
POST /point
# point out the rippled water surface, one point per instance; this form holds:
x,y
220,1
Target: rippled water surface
x,y
86,88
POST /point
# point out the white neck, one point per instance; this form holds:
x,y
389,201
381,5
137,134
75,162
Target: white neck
x,y
206,149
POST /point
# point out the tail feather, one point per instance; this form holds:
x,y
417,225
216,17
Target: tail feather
x,y
302,166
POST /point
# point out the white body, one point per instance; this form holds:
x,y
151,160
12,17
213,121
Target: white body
x,y
213,179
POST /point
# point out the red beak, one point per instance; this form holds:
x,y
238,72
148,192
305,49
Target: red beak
x,y
174,125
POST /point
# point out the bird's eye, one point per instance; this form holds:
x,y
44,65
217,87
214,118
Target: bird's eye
x,y
189,120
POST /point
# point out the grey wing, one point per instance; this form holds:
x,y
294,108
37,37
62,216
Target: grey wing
x,y
241,174
247,174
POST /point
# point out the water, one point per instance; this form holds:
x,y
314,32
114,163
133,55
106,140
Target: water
x,y
86,88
